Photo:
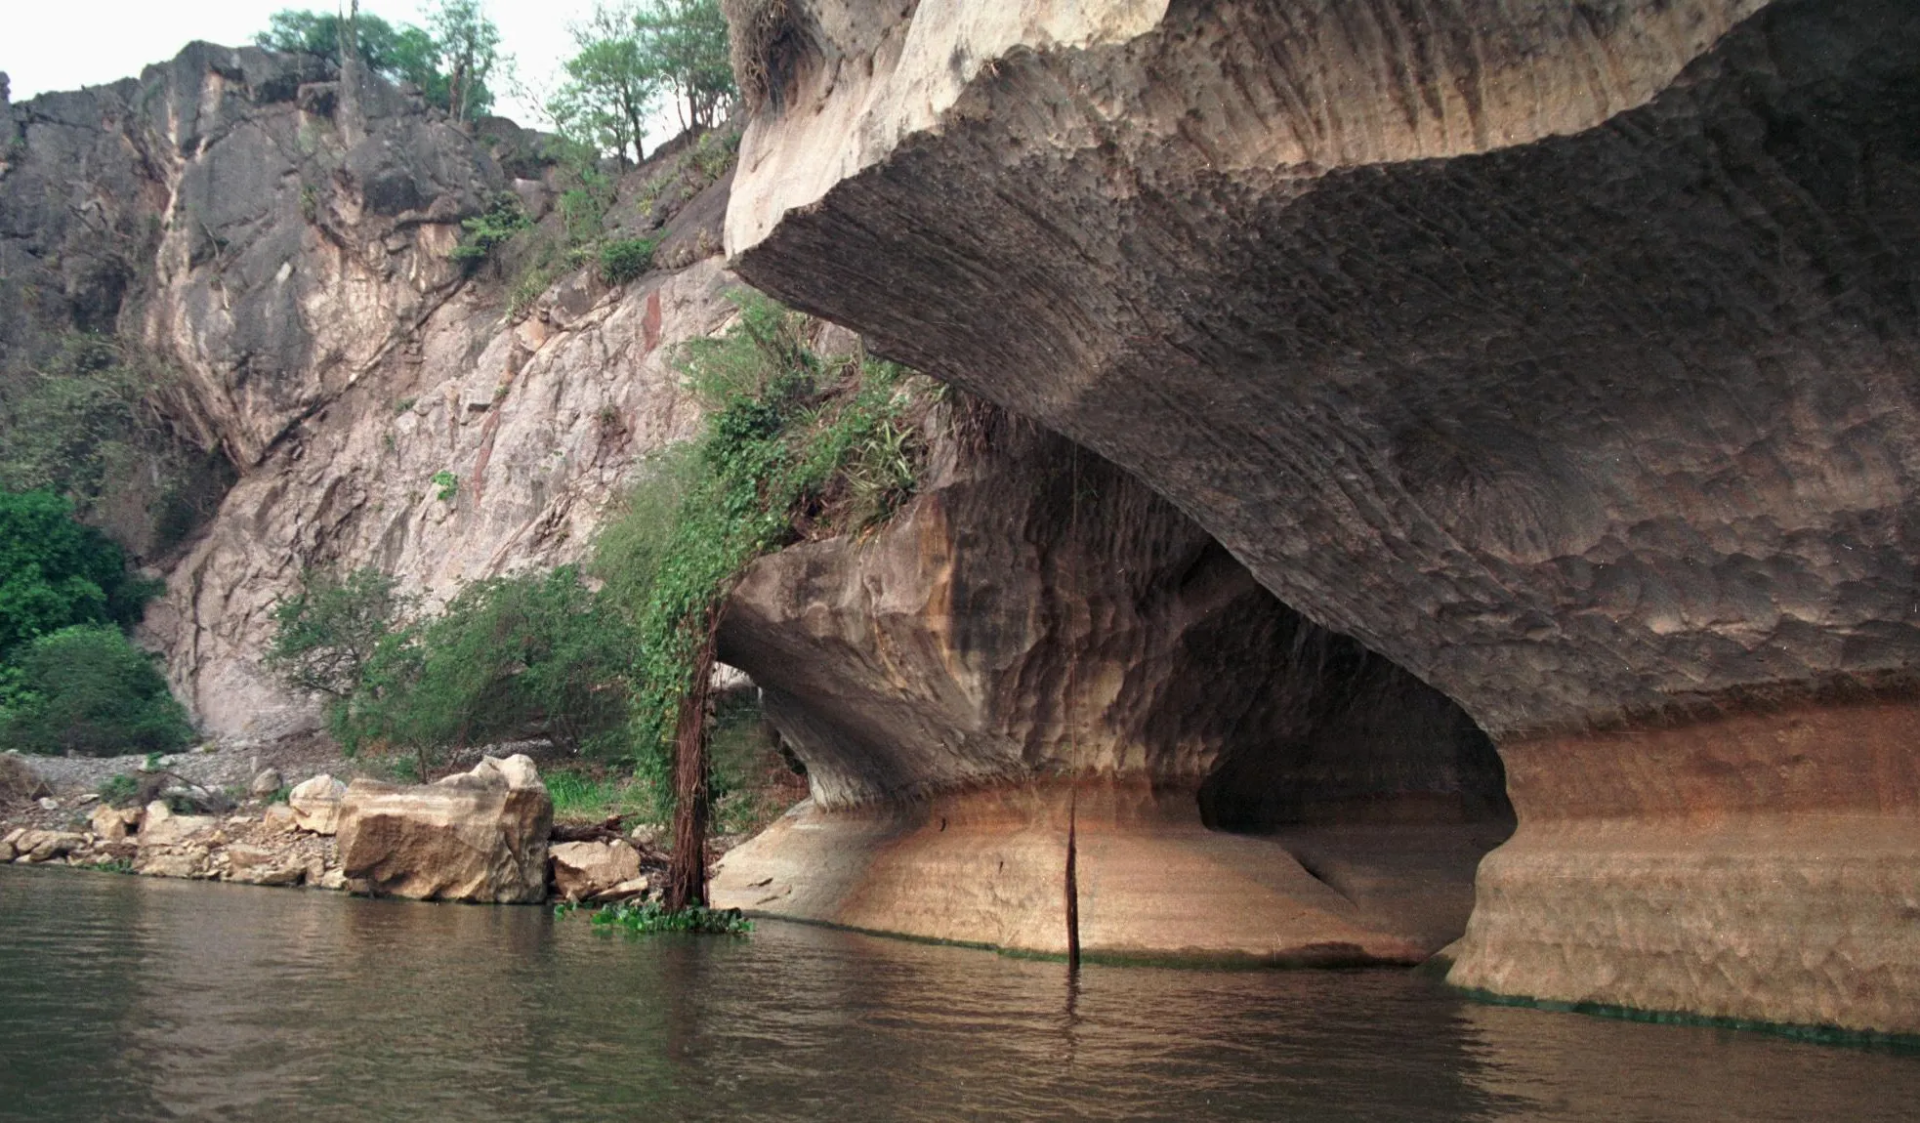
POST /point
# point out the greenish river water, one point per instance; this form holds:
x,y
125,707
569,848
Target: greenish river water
x,y
126,998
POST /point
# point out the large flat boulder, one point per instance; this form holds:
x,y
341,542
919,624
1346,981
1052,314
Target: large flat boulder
x,y
475,837
589,870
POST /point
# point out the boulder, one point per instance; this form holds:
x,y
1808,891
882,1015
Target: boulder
x,y
172,861
626,890
18,780
280,816
44,846
516,773
108,823
480,839
257,865
589,870
6,851
265,783
316,804
161,827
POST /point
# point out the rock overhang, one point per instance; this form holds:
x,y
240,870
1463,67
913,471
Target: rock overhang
x,y
1563,356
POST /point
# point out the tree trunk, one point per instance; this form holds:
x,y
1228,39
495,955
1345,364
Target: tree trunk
x,y
687,869
352,125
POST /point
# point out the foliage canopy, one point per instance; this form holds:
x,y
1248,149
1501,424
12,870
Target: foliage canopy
x,y
55,572
449,60
506,657
630,55
87,690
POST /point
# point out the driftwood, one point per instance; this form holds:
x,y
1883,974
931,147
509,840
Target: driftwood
x,y
170,786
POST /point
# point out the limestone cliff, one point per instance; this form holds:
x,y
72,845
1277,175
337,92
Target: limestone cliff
x,y
285,251
1562,353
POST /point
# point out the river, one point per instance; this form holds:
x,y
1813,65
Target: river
x,y
130,998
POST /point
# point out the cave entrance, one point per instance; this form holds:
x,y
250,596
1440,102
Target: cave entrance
x,y
1327,732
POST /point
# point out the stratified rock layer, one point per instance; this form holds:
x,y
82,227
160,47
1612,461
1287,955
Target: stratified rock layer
x,y
1152,882
1038,629
1758,867
1561,353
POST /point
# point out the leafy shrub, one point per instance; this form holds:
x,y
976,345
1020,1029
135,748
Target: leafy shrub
x,y
447,485
649,917
87,690
787,447
328,631
714,154
624,259
579,797
502,221
120,790
55,572
506,657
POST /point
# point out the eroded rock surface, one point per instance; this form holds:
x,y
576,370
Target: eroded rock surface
x,y
1561,353
1576,389
1038,621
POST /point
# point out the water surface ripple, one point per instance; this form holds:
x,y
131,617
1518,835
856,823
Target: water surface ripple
x,y
128,999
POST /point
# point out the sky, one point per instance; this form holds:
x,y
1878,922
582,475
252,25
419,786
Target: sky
x,y
65,44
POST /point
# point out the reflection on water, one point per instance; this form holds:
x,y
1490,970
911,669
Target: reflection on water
x,y
129,998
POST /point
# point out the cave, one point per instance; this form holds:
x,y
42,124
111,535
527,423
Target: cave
x,y
1042,643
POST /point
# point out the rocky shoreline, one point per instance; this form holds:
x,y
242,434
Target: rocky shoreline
x,y
483,835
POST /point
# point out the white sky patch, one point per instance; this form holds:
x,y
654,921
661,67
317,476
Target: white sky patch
x,y
66,44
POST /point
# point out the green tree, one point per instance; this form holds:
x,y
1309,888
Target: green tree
x,y
507,657
320,33
327,633
610,88
400,53
55,572
684,46
469,49
629,58
86,690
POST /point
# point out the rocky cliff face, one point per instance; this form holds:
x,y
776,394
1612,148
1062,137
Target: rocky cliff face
x,y
1561,353
1038,630
284,249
